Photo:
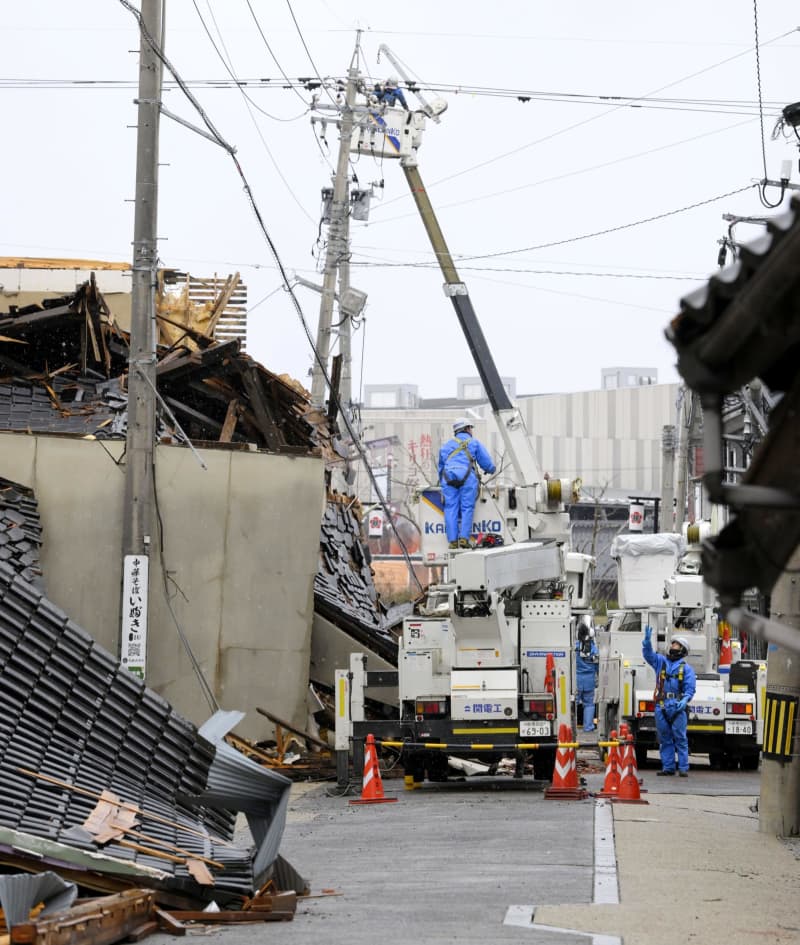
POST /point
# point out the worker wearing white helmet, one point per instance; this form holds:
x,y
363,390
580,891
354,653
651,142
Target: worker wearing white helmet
x,y
676,682
389,93
460,460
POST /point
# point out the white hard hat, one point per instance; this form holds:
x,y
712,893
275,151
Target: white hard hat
x,y
681,641
392,80
461,424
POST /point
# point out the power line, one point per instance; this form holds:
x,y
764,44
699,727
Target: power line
x,y
613,229
270,84
248,102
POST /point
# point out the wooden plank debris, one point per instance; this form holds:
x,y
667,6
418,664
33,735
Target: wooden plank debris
x,y
100,921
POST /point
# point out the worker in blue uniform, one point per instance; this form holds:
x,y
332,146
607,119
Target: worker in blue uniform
x,y
389,93
676,682
587,668
460,460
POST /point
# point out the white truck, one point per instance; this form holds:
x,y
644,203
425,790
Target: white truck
x,y
661,586
485,664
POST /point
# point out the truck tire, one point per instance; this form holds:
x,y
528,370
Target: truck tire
x,y
641,756
544,763
716,759
750,761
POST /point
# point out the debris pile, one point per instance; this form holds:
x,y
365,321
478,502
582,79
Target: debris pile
x,y
344,591
63,370
101,776
65,364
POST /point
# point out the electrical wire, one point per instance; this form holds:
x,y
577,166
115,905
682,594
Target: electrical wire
x,y
269,50
268,83
567,175
614,229
538,272
308,53
249,102
615,108
762,195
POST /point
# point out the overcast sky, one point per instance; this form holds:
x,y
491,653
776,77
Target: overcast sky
x,y
635,111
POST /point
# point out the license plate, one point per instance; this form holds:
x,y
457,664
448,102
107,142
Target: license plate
x,y
738,728
534,729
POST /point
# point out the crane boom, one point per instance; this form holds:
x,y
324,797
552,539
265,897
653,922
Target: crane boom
x,y
509,419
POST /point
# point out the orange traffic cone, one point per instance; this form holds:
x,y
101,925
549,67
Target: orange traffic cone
x,y
565,772
372,785
629,792
611,783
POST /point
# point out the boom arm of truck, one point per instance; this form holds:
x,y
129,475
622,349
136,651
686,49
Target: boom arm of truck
x,y
526,469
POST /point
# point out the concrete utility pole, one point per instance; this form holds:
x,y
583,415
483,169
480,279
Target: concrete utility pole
x,y
668,477
779,804
140,444
338,239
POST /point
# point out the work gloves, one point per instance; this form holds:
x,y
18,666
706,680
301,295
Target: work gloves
x,y
682,703
648,635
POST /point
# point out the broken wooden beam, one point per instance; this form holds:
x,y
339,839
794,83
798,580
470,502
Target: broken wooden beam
x,y
101,921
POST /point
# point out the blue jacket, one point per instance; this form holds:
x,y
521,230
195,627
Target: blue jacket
x,y
586,662
458,456
680,683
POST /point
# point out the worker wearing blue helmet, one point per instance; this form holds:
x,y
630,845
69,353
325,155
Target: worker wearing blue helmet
x,y
459,462
676,682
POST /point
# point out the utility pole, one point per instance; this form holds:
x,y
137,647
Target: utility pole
x,y
668,476
779,803
338,238
139,449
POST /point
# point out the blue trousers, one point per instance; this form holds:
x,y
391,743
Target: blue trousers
x,y
671,728
585,697
459,506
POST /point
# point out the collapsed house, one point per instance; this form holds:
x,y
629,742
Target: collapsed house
x,y
254,550
101,780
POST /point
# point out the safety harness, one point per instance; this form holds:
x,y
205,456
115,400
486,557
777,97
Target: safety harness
x,y
661,693
455,481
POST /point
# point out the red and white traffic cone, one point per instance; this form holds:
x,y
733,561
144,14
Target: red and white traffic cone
x,y
611,783
372,784
629,792
565,785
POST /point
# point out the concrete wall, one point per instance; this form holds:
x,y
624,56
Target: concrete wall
x,y
241,548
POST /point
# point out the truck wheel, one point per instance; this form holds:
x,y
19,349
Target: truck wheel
x,y
544,763
716,759
641,756
750,761
611,721
414,764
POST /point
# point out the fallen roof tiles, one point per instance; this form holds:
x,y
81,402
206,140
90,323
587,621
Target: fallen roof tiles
x,y
73,724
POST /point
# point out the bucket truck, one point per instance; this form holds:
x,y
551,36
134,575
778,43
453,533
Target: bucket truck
x,y
661,585
485,663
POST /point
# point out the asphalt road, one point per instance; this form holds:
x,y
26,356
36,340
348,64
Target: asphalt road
x,y
452,863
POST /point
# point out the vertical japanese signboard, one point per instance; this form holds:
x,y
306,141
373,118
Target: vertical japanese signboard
x,y
133,651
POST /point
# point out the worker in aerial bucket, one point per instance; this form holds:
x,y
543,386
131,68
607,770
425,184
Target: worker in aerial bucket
x,y
676,682
460,460
389,93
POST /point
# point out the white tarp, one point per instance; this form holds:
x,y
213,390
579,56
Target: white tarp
x,y
664,543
